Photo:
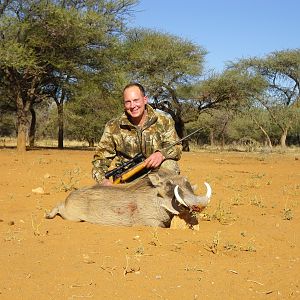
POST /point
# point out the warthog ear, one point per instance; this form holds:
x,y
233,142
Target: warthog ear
x,y
155,179
164,186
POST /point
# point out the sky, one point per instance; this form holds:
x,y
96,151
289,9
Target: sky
x,y
227,29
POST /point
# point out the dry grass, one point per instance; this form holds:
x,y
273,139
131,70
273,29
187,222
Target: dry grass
x,y
51,143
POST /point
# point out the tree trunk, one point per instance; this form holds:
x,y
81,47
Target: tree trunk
x,y
91,142
283,138
212,137
264,132
185,146
60,117
21,137
223,140
269,142
32,128
22,109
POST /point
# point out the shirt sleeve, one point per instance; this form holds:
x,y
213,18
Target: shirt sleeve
x,y
105,153
171,137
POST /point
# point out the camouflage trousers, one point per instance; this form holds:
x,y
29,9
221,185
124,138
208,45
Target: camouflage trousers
x,y
171,165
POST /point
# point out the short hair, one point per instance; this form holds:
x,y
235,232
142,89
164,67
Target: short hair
x,y
140,87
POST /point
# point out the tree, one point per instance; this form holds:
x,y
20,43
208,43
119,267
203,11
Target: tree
x,y
262,121
281,70
47,45
222,97
214,123
88,113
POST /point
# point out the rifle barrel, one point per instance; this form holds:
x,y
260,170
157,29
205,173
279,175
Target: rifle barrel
x,y
182,139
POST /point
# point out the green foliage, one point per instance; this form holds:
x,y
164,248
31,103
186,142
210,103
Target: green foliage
x,y
49,47
161,58
232,89
281,70
243,127
7,124
87,115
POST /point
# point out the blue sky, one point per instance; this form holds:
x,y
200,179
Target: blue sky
x,y
227,29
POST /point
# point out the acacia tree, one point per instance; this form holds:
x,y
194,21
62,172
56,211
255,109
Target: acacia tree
x,y
213,124
26,69
92,107
224,96
281,70
262,121
93,45
47,45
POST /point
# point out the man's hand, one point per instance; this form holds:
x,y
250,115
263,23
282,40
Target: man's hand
x,y
154,160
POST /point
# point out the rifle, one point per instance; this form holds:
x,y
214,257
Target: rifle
x,y
136,164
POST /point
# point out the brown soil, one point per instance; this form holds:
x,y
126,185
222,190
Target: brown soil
x,y
247,246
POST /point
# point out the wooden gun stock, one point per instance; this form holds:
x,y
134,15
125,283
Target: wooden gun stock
x,y
131,172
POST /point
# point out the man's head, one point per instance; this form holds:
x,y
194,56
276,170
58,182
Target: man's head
x,y
135,101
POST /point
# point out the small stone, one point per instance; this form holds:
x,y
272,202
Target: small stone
x,y
38,190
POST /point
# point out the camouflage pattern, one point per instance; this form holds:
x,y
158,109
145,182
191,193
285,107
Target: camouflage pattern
x,y
121,140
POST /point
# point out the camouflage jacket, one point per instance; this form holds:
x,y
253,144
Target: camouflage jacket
x,y
121,140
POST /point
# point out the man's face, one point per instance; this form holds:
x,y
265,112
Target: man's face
x,y
134,103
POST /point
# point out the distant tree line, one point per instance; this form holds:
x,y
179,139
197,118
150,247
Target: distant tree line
x,y
64,63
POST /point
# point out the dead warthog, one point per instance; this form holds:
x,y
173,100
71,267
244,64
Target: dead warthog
x,y
150,201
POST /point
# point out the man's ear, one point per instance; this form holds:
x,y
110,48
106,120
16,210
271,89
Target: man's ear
x,y
145,100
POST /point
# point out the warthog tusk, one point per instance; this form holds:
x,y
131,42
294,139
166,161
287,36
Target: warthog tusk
x,y
209,192
170,209
201,200
178,198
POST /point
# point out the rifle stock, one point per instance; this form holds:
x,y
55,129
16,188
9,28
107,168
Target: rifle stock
x,y
131,172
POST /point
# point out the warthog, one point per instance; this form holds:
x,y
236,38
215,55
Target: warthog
x,y
150,201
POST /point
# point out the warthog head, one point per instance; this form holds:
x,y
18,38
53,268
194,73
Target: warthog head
x,y
180,191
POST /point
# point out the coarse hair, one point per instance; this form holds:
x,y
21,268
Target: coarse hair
x,y
140,87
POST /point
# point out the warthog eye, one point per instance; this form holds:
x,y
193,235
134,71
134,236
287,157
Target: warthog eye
x,y
188,186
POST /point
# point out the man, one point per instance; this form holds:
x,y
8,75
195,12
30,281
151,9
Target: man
x,y
140,129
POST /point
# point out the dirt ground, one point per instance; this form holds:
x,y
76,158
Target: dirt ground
x,y
247,245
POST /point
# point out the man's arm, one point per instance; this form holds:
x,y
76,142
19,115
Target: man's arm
x,y
105,153
170,137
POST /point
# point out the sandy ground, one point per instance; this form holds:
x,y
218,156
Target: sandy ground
x,y
247,245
